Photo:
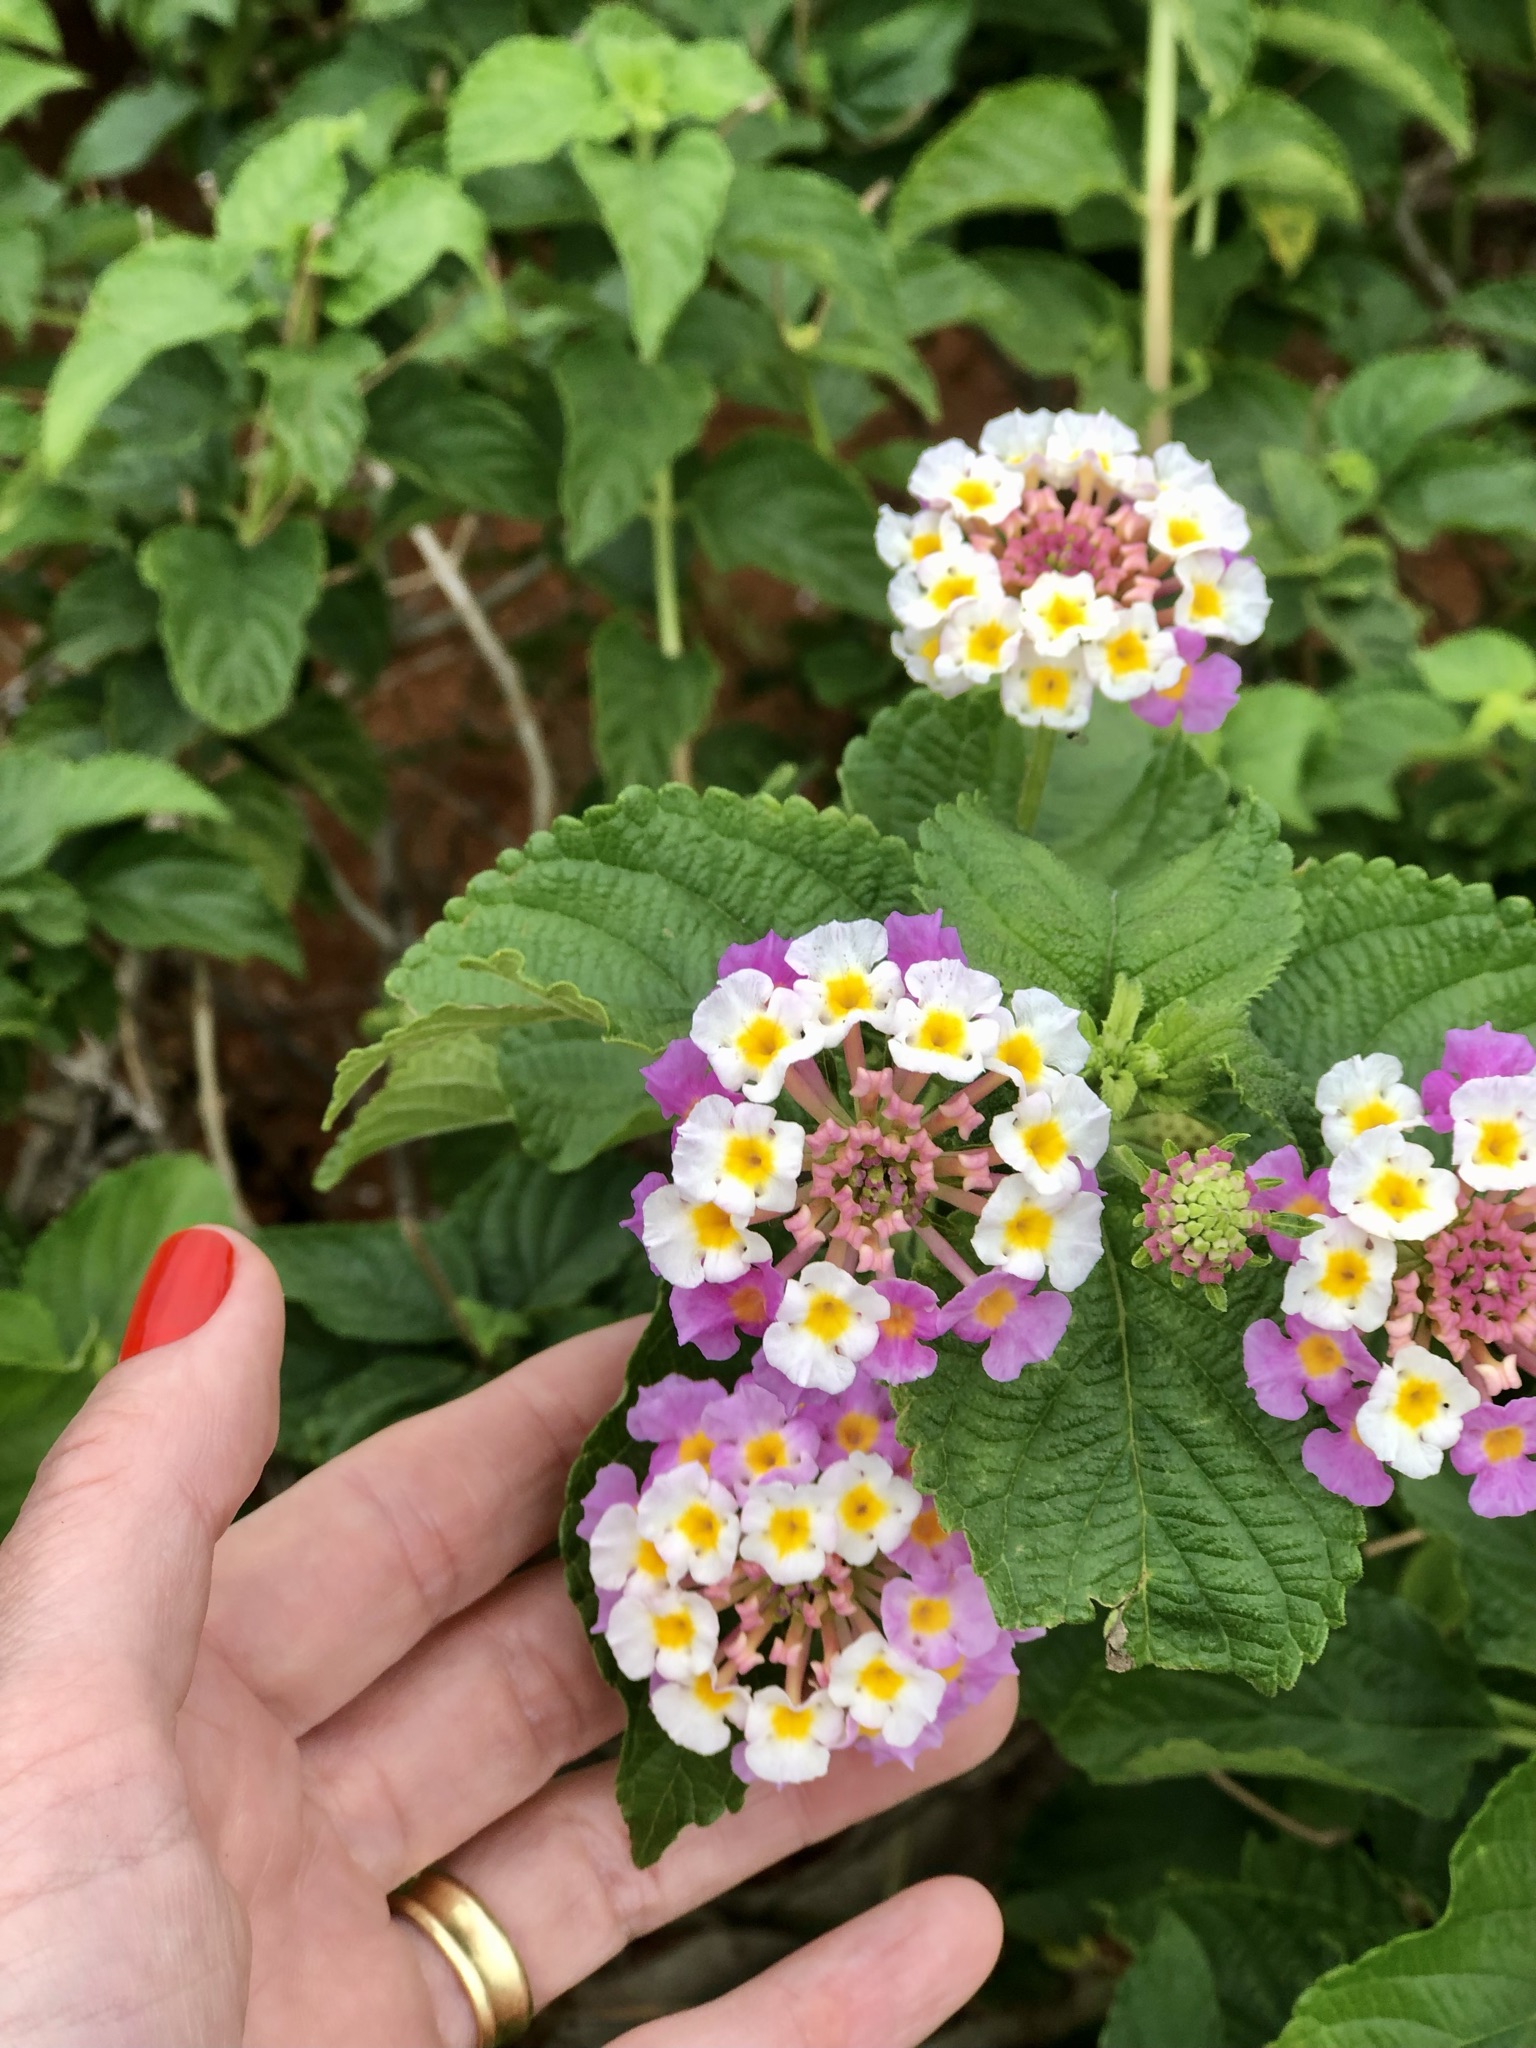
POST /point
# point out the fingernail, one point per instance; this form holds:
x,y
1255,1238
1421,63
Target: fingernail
x,y
187,1279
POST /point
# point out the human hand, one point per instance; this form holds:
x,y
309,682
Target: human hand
x,y
222,1747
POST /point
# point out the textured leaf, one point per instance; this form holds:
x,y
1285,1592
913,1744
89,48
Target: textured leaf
x,y
393,236
630,907
363,1279
573,1094
523,101
232,618
780,214
1389,959
1218,38
1470,1981
153,889
661,217
1168,1994
44,798
322,744
1377,733
1504,310
34,1407
541,1240
315,409
1387,407
624,421
1496,1565
1038,143
157,297
126,129
1395,45
1473,486
1389,1708
450,1085
772,502
1268,744
644,706
105,610
466,447
29,1336
386,1390
1276,149
1061,312
285,187
662,1789
1133,1472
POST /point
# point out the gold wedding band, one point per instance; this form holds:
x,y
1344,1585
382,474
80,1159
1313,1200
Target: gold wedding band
x,y
476,1950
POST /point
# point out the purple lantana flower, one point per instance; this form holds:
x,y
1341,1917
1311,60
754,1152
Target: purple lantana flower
x,y
1286,1368
1337,1458
860,1418
1495,1449
765,954
928,937
902,1352
679,1078
755,1437
670,1415
1299,1192
711,1316
1203,694
1018,1326
940,1620
1472,1056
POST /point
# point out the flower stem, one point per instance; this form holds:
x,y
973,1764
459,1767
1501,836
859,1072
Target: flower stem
x,y
669,621
1033,787
1159,136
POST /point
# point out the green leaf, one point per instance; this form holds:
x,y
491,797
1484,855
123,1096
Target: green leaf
x,y
386,1390
1388,959
452,1085
1475,486
712,78
232,617
523,101
285,187
386,243
30,22
126,129
157,297
661,1789
87,1264
314,409
43,799
1133,1472
153,889
1310,511
781,215
363,1279
26,80
103,611
624,421
21,280
29,1335
1376,734
1218,37
543,1241
1397,46
1168,1994
34,1407
465,447
1466,667
1468,1982
771,502
624,912
1389,406
1505,310
1061,311
1389,1708
1040,143
1496,1566
661,216
573,1094
1274,148
644,705
1268,742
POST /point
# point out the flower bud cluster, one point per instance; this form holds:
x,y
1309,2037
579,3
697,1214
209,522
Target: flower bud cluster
x,y
1058,560
778,1577
1198,1212
1427,1253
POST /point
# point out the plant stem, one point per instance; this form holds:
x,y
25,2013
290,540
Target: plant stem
x,y
816,419
1320,1838
669,615
210,1096
1159,136
1033,786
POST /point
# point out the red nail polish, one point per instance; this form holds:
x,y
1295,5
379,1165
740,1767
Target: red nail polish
x,y
187,1279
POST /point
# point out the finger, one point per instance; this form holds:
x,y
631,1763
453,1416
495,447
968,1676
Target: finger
x,y
472,1722
558,1874
885,1980
334,1581
110,1557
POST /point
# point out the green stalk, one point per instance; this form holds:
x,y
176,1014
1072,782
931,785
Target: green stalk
x,y
815,418
1033,787
669,616
1159,213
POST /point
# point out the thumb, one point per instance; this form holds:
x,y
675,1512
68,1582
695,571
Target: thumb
x,y
110,1558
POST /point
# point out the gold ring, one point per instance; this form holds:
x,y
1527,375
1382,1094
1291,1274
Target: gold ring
x,y
476,1950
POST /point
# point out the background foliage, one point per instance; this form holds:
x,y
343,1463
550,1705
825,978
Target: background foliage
x,y
419,419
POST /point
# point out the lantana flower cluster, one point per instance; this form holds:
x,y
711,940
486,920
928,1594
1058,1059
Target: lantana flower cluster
x,y
845,1099
1440,1258
777,1576
1058,559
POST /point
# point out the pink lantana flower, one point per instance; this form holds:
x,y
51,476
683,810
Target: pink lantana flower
x,y
1337,1458
1301,1193
1018,1326
711,1316
765,954
1204,693
905,1350
678,1080
940,1620
755,1437
928,937
670,1415
860,1418
1495,1449
1287,1368
1472,1056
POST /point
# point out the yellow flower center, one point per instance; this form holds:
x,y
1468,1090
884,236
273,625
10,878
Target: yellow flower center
x,y
1397,1194
951,588
1183,531
1344,1274
1370,1116
861,1507
704,1692
695,1449
930,648
1048,687
847,992
1305,1205
791,1724
747,1303
928,1529
1027,1230
1176,690
700,1525
928,1615
712,1228
858,1432
900,1323
880,1681
749,1159
648,1559
1500,1444
941,1031
673,1631
1205,601
994,1309
1063,613
827,1316
984,643
1045,1144
1417,1402
765,1453
1020,1052
974,494
1318,1356
1126,654
761,1041
924,544
789,1529
1498,1142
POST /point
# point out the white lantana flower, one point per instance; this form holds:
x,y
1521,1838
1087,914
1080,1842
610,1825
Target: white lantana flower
x,y
978,640
1413,1413
787,1530
1060,612
972,486
917,652
689,1242
1175,467
751,1032
1038,1032
902,537
1365,1093
619,1552
790,1744
1185,517
1054,1129
1018,438
663,1629
701,1714
845,977
692,1521
1342,1278
873,1508
926,592
883,1691
1224,600
1045,689
1034,1236
1134,656
1392,1188
738,1155
947,1023
826,1323
1090,440
1493,1133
